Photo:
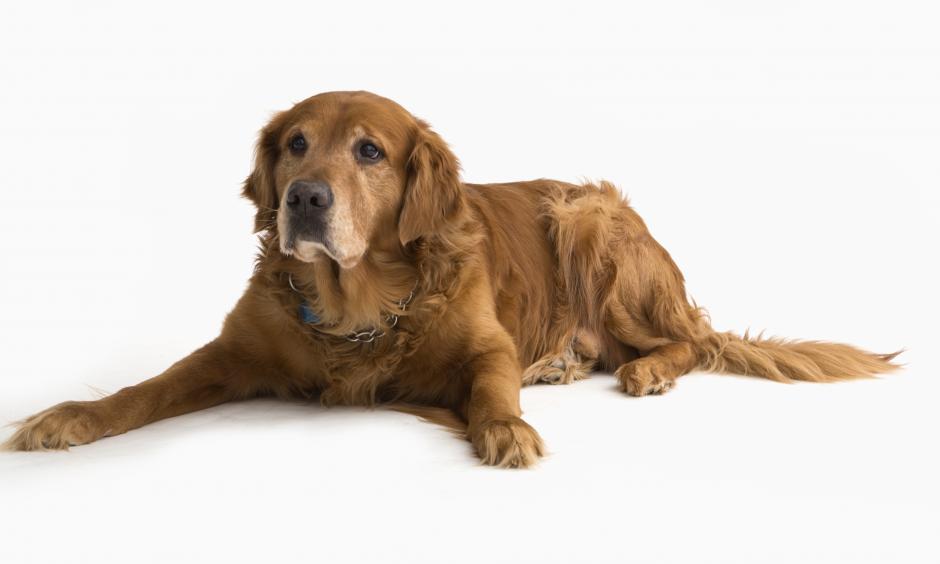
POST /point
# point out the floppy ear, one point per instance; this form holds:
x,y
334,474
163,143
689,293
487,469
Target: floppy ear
x,y
433,193
259,186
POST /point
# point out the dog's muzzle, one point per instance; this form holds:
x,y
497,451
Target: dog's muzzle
x,y
308,205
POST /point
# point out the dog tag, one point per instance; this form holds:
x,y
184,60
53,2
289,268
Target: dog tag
x,y
306,313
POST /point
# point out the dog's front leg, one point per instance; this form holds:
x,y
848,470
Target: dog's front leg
x,y
203,379
498,434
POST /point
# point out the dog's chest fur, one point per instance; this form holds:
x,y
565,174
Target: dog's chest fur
x,y
410,362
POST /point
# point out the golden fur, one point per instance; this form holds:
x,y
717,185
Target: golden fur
x,y
513,283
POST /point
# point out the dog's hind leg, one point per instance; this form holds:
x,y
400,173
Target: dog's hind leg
x,y
656,372
626,288
664,355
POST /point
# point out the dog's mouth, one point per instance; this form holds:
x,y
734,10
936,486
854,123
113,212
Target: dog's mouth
x,y
309,250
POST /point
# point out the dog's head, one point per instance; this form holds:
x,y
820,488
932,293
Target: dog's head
x,y
343,171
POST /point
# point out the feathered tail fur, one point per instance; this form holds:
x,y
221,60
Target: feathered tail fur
x,y
786,360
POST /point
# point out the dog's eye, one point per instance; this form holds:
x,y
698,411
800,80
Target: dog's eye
x,y
370,152
298,144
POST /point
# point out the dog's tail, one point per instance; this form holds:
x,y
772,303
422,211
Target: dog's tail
x,y
786,360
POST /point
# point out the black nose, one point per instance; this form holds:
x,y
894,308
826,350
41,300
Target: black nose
x,y
306,196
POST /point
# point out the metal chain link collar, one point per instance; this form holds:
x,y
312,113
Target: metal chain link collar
x,y
365,336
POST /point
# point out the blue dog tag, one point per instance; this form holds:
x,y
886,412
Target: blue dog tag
x,y
306,313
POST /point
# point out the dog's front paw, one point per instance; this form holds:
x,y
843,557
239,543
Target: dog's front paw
x,y
67,424
509,443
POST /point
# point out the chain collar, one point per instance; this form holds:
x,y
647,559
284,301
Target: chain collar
x,y
308,317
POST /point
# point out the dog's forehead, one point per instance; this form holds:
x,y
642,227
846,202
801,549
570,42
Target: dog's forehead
x,y
336,115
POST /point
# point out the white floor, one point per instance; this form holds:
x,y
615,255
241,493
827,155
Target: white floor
x,y
723,469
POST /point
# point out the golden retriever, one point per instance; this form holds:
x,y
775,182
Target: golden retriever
x,y
384,279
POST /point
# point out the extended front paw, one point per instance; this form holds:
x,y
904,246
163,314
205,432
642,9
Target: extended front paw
x,y
67,424
509,443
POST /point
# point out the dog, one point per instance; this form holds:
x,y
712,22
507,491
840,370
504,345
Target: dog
x,y
383,279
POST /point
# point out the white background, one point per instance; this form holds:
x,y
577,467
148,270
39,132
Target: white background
x,y
785,154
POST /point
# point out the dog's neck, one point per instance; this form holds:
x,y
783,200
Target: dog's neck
x,y
350,299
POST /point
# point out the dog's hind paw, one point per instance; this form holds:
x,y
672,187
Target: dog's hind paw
x,y
643,377
565,368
